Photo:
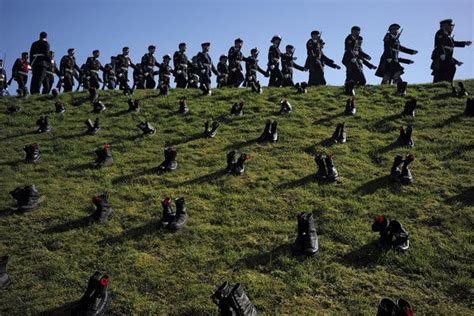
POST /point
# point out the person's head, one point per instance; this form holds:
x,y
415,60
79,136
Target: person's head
x,y
393,29
315,35
125,51
290,49
182,47
238,42
96,53
205,46
166,59
71,51
254,52
447,25
24,55
1,63
113,59
355,31
223,59
276,40
43,35
151,49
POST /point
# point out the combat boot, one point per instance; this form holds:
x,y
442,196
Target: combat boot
x,y
183,106
266,132
310,237
409,109
406,176
104,157
332,172
32,153
256,87
13,109
298,245
103,210
5,280
59,107
469,111
380,225
133,105
408,136
43,124
404,308
350,107
285,107
273,136
181,214
342,133
395,170
401,88
240,302
387,307
349,88
146,128
220,298
95,300
237,109
230,161
98,107
462,90
168,213
210,131
55,94
396,236
239,167
92,128
27,198
170,162
164,90
322,172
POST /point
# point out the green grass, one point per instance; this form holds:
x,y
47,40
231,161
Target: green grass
x,y
240,228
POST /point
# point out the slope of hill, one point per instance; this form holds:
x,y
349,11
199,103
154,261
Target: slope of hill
x,y
241,229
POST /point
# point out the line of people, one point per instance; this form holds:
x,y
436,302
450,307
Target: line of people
x,y
197,71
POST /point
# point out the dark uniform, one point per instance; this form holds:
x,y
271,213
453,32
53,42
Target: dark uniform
x,y
39,60
93,66
316,60
50,71
206,68
194,74
138,77
389,68
354,58
444,64
148,64
109,75
122,63
274,54
223,69
69,70
181,65
165,72
20,73
235,56
3,80
287,65
251,68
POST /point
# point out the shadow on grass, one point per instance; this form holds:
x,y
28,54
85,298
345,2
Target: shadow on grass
x,y
372,186
81,167
442,96
240,145
381,124
366,256
119,113
12,163
375,155
297,183
71,225
66,309
18,135
459,151
263,258
128,177
203,179
328,119
185,140
193,311
135,233
466,198
453,119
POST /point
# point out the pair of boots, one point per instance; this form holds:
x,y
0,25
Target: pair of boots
x,y
233,301
32,153
206,89
59,107
170,162
98,107
270,132
43,124
350,106
133,105
237,109
301,87
27,198
95,300
401,88
171,219
103,210
146,128
236,167
256,87
405,136
285,107
104,157
404,174
92,128
307,242
13,109
5,280
460,92
340,135
392,233
349,87
387,307
183,106
469,111
326,170
210,131
409,109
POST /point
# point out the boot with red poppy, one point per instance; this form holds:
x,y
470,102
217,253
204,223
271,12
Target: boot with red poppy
x,y
133,105
27,198
95,300
404,308
405,176
387,307
181,216
168,213
103,210
380,224
32,153
183,106
239,167
5,280
170,162
104,157
43,124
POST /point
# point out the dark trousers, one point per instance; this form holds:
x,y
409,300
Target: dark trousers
x,y
48,82
276,77
21,80
37,78
446,72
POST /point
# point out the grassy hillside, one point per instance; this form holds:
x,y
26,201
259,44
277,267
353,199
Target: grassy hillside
x,y
241,228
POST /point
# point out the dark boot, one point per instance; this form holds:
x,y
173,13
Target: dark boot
x,y
103,210
337,132
349,88
104,157
274,132
5,280
32,153
322,172
462,90
220,298
170,162
310,237
86,298
181,214
256,87
27,198
164,90
93,95
409,109
404,308
332,172
387,307
240,303
133,105
13,109
396,236
401,140
183,106
401,88
298,245
230,161
96,299
98,107
239,167
301,87
406,176
408,139
266,132
146,128
469,111
350,107
43,124
210,131
168,213
380,225
237,109
342,133
285,107
92,128
395,171
59,107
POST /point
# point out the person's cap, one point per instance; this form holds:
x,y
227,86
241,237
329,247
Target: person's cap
x,y
238,40
222,57
71,50
43,35
151,47
275,38
315,32
167,56
394,26
446,21
182,44
205,44
290,47
95,51
355,28
254,50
